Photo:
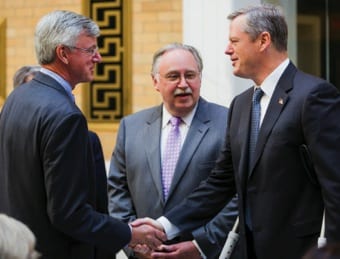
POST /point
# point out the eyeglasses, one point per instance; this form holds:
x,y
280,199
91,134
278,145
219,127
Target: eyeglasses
x,y
175,77
91,51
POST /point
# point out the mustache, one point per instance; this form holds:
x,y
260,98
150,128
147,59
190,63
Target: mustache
x,y
180,91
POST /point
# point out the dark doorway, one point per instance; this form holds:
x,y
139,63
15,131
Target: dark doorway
x,y
318,35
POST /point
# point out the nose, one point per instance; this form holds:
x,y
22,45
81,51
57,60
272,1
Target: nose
x,y
182,82
97,57
228,50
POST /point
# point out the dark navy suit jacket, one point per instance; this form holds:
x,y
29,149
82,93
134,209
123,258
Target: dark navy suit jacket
x,y
47,177
285,203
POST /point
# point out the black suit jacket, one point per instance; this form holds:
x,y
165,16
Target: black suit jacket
x,y
286,205
47,177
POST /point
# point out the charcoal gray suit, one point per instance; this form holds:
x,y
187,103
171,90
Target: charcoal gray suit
x,y
135,188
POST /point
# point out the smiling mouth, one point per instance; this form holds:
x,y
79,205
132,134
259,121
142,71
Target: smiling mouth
x,y
182,94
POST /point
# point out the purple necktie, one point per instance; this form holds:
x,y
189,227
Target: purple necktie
x,y
171,153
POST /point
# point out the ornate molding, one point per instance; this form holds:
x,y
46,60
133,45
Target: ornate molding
x,y
2,61
108,98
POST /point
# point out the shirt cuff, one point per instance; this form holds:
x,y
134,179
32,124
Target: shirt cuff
x,y
170,229
199,249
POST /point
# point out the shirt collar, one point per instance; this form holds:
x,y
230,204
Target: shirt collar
x,y
60,80
271,81
186,119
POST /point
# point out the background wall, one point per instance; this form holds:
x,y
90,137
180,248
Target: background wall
x,y
154,23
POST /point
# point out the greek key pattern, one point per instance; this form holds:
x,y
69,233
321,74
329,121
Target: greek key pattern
x,y
2,61
106,98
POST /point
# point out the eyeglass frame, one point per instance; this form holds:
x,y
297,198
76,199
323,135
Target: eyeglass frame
x,y
92,51
189,76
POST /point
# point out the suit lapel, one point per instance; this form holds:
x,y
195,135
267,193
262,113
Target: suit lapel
x,y
277,103
152,133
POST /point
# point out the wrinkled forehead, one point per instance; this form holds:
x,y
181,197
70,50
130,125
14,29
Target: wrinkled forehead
x,y
177,60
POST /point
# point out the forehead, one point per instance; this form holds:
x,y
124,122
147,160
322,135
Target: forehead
x,y
176,60
237,26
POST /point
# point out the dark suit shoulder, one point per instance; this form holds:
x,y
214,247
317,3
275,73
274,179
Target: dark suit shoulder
x,y
308,80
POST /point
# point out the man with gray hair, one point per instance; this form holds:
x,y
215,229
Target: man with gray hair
x,y
47,177
137,178
282,149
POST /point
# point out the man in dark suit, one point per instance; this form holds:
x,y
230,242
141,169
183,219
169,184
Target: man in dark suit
x,y
135,177
47,172
280,205
26,73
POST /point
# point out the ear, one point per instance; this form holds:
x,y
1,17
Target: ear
x,y
155,80
265,40
62,54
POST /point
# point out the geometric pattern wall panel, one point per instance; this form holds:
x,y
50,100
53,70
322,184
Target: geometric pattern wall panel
x,y
2,61
108,97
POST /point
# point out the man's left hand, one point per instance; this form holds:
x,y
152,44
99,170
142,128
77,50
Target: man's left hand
x,y
183,250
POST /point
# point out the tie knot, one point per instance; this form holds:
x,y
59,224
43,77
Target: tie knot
x,y
175,121
257,95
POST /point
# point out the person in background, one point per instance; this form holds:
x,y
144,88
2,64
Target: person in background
x,y
16,240
25,74
136,178
281,200
47,171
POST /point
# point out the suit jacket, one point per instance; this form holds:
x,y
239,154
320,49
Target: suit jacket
x,y
47,173
285,203
135,188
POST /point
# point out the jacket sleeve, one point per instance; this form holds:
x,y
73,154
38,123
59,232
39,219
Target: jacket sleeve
x,y
212,236
69,181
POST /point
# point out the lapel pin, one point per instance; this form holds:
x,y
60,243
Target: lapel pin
x,y
280,101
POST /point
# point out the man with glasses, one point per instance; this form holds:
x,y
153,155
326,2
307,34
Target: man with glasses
x,y
138,186
47,177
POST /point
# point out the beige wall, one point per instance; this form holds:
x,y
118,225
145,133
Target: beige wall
x,y
154,23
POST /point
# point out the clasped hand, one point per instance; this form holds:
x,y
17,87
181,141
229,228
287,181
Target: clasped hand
x,y
150,246
147,233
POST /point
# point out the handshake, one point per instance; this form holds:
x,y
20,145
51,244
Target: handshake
x,y
147,235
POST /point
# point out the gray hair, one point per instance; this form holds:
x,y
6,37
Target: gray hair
x,y
60,27
265,17
22,74
16,239
157,56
